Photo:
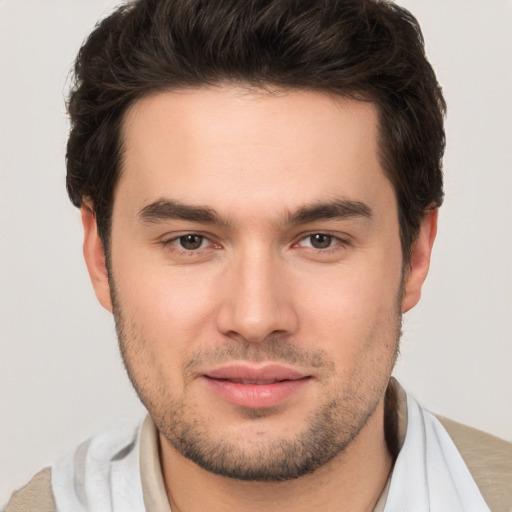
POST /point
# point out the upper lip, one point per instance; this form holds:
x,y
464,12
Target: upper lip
x,y
266,374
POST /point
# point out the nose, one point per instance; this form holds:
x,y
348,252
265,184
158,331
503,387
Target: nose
x,y
257,299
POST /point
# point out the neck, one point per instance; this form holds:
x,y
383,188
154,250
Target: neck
x,y
351,482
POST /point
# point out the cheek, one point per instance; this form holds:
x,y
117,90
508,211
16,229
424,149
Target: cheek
x,y
166,312
353,311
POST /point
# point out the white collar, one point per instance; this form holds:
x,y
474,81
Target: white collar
x,y
103,474
429,474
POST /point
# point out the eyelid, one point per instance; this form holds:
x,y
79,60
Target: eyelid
x,y
339,238
172,239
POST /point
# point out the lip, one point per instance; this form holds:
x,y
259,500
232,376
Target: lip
x,y
253,387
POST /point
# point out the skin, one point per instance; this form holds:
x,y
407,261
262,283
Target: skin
x,y
259,288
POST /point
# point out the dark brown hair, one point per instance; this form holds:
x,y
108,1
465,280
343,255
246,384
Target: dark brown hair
x,y
367,49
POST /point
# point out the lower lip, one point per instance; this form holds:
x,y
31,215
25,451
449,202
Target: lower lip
x,y
255,396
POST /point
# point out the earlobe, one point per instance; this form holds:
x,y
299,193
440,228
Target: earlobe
x,y
94,254
419,264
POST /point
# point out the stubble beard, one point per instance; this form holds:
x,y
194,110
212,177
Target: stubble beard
x,y
330,428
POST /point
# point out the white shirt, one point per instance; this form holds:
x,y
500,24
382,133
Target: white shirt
x,y
104,473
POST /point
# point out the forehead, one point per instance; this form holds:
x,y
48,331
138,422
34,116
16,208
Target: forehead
x,y
237,147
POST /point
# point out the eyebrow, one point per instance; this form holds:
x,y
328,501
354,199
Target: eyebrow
x,y
339,209
168,209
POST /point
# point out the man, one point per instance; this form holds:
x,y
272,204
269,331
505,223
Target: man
x,y
259,184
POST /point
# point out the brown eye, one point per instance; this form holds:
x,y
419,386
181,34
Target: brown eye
x,y
320,241
191,242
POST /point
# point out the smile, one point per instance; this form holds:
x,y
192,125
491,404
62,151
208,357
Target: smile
x,y
255,388
255,382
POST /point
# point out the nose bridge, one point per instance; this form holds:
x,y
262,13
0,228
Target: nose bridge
x,y
256,302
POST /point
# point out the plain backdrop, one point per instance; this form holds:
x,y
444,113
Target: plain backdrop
x,y
61,378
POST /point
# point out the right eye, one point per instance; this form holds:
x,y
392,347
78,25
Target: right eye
x,y
190,242
320,241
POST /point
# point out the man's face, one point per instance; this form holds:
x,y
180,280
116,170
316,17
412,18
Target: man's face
x,y
257,275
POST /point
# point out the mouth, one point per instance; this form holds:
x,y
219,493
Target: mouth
x,y
255,388
254,382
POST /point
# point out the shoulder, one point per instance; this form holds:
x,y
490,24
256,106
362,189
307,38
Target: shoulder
x,y
105,465
489,460
36,495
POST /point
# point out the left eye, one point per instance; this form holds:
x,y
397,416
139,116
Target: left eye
x,y
191,242
319,241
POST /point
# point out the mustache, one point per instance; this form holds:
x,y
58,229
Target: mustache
x,y
275,350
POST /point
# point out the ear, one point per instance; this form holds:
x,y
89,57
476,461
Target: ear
x,y
94,254
419,263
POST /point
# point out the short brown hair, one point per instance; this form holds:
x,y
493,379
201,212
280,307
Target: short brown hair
x,y
367,49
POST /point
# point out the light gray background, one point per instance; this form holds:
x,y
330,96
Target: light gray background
x,y
61,378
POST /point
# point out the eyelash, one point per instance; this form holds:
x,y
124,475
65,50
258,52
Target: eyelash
x,y
335,242
173,244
